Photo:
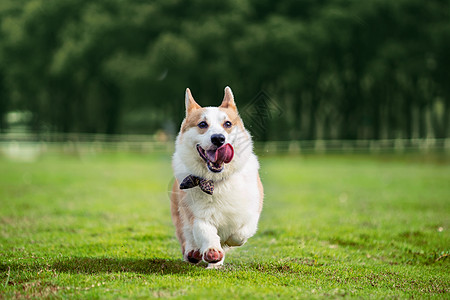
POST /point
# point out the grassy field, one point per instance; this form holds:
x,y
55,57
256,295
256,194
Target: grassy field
x,y
332,226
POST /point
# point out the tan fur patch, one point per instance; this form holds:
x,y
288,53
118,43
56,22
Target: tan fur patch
x,y
175,199
192,120
188,215
181,213
261,193
190,102
233,117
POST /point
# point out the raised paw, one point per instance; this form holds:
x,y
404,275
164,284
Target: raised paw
x,y
194,256
235,241
212,255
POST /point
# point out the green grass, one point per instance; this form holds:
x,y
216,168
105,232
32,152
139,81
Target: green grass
x,y
332,226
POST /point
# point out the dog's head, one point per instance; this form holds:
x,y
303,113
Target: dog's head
x,y
213,139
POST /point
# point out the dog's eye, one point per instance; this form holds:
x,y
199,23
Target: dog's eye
x,y
227,124
202,125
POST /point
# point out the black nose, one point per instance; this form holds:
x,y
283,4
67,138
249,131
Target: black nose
x,y
218,139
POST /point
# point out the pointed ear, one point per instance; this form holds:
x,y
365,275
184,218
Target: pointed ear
x,y
228,99
190,102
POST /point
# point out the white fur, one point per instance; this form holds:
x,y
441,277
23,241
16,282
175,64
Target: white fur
x,y
232,212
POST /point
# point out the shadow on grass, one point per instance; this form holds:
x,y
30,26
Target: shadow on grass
x,y
94,265
97,265
159,266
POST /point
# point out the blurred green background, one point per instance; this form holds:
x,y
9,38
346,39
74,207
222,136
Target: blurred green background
x,y
299,69
80,77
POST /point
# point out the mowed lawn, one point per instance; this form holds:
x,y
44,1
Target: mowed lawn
x,y
347,225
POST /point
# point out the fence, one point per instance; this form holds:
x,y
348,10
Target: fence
x,y
358,146
29,146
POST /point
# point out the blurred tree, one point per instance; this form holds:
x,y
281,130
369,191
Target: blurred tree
x,y
341,69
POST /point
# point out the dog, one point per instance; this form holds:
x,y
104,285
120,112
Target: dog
x,y
217,196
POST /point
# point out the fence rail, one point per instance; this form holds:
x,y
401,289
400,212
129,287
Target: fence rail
x,y
355,146
29,146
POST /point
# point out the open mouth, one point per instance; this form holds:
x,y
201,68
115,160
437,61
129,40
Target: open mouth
x,y
216,158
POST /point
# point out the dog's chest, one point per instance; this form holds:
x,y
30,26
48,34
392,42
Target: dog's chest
x,y
231,204
219,208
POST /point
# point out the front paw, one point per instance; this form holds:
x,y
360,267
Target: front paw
x,y
193,256
212,255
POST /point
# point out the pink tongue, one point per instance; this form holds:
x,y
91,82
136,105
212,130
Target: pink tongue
x,y
222,154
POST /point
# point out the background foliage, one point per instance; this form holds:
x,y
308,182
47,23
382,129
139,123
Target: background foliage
x,y
341,69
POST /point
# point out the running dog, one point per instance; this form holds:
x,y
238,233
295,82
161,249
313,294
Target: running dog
x,y
217,195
